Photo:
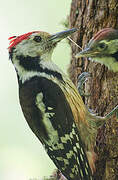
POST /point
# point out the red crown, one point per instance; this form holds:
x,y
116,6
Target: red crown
x,y
14,40
104,33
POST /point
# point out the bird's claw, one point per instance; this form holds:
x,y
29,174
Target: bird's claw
x,y
81,80
115,110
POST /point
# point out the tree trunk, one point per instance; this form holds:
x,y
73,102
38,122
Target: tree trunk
x,y
89,16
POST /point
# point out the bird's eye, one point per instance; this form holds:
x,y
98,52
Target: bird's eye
x,y
102,45
37,38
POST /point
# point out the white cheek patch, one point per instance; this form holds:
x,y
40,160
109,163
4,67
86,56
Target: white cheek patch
x,y
27,49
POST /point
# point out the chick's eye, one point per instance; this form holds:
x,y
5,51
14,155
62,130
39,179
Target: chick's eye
x,y
102,45
37,38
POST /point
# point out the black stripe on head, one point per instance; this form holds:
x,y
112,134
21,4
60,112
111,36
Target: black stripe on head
x,y
28,62
32,64
115,56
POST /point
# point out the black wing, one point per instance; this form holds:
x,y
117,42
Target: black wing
x,y
50,117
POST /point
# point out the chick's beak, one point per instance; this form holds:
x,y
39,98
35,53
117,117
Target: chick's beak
x,y
61,35
84,53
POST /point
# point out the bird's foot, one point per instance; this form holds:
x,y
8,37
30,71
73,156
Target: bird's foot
x,y
115,110
82,78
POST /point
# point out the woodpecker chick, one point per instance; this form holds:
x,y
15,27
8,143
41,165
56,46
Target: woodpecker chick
x,y
103,48
50,102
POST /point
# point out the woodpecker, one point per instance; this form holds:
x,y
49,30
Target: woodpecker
x,y
103,48
52,105
47,97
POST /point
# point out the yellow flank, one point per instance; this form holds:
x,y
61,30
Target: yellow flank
x,y
75,101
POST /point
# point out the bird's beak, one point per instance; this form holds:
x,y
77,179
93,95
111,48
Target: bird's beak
x,y
84,53
61,35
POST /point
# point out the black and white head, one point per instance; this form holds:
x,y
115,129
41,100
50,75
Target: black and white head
x,y
29,50
103,48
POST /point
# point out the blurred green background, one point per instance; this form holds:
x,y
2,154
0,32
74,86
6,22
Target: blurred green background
x,y
22,157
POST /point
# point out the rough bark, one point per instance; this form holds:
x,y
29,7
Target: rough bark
x,y
89,16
